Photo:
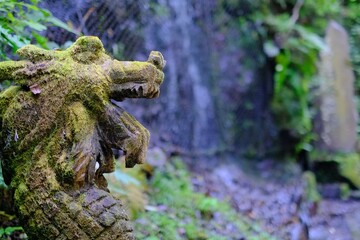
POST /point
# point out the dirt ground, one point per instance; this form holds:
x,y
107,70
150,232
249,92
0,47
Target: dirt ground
x,y
271,193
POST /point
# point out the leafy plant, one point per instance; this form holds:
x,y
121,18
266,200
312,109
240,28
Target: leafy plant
x,y
6,232
352,24
23,22
290,32
2,183
311,192
130,186
292,35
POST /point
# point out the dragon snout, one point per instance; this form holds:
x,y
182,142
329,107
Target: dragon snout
x,y
136,79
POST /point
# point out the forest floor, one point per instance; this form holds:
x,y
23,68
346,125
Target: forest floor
x,y
271,193
268,201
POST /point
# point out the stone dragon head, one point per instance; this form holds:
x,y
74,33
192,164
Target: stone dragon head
x,y
59,112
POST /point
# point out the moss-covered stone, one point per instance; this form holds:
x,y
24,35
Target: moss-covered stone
x,y
311,191
349,165
58,122
344,165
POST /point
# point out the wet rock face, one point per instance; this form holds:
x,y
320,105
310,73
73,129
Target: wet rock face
x,y
58,122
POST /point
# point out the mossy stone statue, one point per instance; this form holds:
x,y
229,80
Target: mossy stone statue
x,y
57,122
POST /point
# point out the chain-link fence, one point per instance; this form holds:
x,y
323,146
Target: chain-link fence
x,y
217,88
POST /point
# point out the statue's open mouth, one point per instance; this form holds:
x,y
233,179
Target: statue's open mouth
x,y
136,80
134,90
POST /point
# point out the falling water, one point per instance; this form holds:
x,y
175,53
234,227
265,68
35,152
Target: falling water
x,y
190,105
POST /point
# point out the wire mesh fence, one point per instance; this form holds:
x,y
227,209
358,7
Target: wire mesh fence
x,y
217,89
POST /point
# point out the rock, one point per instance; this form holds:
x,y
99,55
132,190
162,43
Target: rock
x,y
330,191
300,232
353,221
156,157
338,111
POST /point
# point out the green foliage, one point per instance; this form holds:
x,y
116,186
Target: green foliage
x,y
292,35
352,24
130,186
295,43
290,32
348,164
6,232
311,192
176,211
345,191
2,183
350,167
287,27
22,22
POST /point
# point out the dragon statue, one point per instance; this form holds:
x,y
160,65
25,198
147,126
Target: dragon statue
x,y
59,126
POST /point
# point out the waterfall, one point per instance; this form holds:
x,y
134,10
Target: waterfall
x,y
189,103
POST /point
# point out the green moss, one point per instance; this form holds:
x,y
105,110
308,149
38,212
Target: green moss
x,y
350,167
35,54
345,191
29,117
7,69
193,233
348,164
21,192
82,125
7,95
311,192
58,121
87,49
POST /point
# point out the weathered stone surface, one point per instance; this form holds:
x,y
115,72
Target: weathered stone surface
x,y
108,202
74,209
338,111
118,212
58,122
107,219
92,228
